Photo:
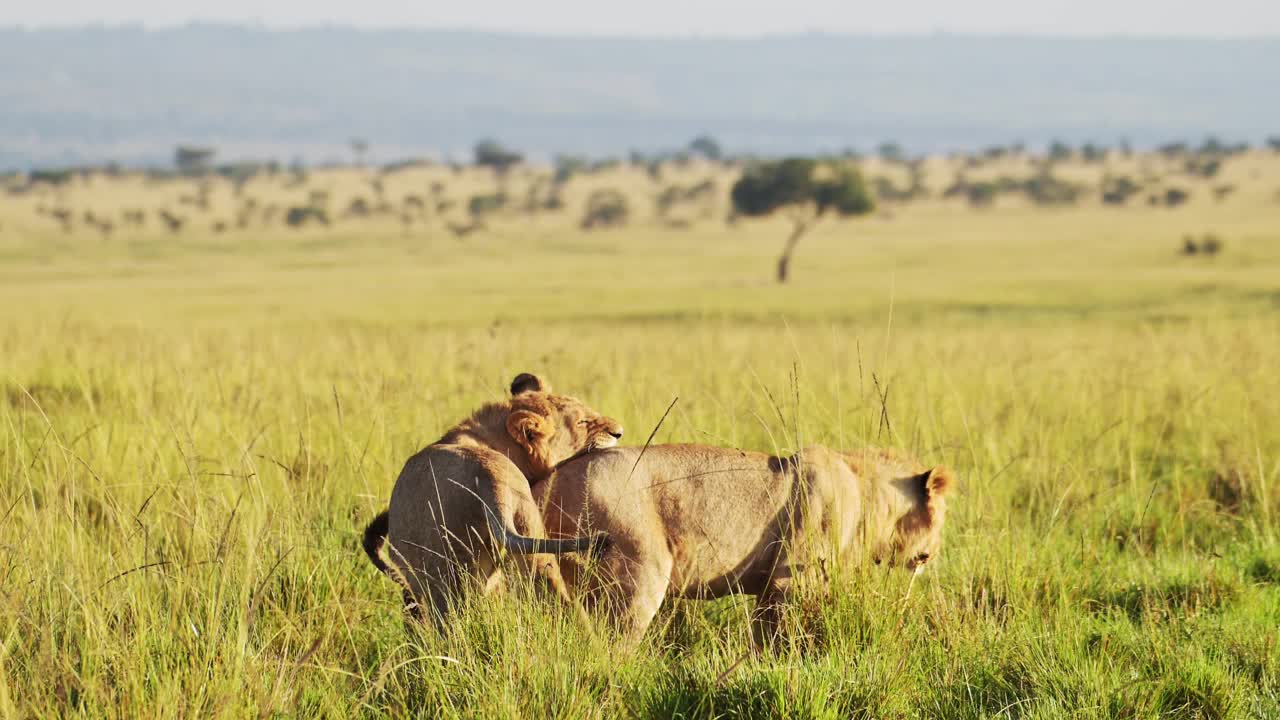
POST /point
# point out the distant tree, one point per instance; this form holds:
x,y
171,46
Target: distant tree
x,y
567,166
1211,245
492,154
413,207
1093,153
604,165
64,217
1213,146
401,165
605,209
792,186
891,152
1059,150
172,222
1044,188
707,147
535,194
358,208
50,177
1273,142
359,147
672,197
1118,190
917,189
887,191
192,160
483,205
300,215
1205,166
981,194
1173,197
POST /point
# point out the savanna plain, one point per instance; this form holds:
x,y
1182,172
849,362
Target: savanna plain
x,y
197,425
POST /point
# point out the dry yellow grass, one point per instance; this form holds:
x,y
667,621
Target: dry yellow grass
x,y
196,426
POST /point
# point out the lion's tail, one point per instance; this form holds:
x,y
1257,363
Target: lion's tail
x,y
516,543
374,536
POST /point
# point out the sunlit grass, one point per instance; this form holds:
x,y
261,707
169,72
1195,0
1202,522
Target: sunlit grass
x,y
195,430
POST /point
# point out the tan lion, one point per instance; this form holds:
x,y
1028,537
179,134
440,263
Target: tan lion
x,y
465,498
704,522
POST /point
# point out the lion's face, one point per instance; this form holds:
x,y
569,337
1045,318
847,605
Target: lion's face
x,y
553,428
917,535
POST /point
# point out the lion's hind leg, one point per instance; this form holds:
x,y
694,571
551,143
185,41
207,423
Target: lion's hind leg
x,y
628,586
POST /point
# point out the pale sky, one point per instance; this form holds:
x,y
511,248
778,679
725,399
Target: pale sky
x,y
688,17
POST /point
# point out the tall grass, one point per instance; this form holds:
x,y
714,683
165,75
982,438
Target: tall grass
x,y
190,451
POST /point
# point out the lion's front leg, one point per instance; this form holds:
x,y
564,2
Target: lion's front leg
x,y
766,618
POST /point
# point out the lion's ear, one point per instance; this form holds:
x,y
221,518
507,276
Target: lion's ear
x,y
528,382
529,429
933,484
938,481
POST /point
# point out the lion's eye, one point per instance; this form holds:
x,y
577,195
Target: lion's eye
x,y
922,558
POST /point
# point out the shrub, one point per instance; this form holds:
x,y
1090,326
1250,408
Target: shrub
x,y
1118,190
301,215
483,205
605,209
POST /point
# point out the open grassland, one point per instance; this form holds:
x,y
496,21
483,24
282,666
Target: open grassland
x,y
196,427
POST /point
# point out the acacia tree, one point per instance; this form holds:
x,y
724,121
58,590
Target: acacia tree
x,y
707,147
804,190
493,154
192,160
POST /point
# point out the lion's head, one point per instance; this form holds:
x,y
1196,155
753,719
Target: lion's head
x,y
917,534
553,428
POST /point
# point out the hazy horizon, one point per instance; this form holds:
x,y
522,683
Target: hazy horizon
x,y
714,18
126,95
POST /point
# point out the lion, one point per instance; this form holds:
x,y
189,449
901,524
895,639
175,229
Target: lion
x,y
465,498
694,521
